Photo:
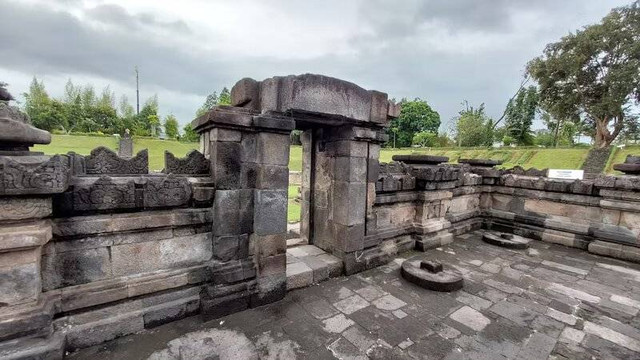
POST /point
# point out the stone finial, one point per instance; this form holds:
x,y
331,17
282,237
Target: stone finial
x,y
16,131
631,165
4,94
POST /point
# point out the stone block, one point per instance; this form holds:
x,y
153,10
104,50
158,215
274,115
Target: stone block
x,y
233,272
233,212
349,202
272,177
373,170
213,308
226,164
158,317
350,169
348,238
272,149
379,107
20,283
170,191
270,265
299,275
270,245
75,267
20,208
103,330
271,123
129,259
219,134
318,267
231,247
269,289
270,212
348,148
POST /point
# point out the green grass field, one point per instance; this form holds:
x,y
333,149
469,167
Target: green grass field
x,y
526,157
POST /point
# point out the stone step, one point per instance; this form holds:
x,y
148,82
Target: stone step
x,y
308,264
296,242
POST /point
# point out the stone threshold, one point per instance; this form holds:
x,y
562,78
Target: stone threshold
x,y
308,264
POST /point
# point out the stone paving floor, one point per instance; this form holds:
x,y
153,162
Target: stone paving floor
x,y
547,302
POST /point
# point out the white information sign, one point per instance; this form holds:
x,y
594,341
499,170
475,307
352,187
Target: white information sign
x,y
566,174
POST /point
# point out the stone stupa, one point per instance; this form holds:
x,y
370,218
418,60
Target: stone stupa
x,y
16,132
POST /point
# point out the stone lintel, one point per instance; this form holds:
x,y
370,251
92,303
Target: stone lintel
x,y
237,118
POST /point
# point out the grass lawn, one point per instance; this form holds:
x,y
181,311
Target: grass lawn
x,y
293,213
62,144
157,148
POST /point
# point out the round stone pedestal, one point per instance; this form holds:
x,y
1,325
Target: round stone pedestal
x,y
431,275
505,240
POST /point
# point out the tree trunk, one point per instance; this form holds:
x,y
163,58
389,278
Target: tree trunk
x,y
603,136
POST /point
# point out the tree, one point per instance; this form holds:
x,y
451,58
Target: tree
x,y
594,74
211,101
45,112
171,126
190,134
225,97
519,115
473,127
415,116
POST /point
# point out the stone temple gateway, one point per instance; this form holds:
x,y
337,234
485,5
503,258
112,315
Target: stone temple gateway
x,y
96,247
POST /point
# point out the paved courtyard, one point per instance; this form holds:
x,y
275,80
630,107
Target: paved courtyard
x,y
545,302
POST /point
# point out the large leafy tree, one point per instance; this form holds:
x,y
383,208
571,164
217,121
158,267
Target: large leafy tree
x,y
171,126
594,74
473,127
416,116
519,115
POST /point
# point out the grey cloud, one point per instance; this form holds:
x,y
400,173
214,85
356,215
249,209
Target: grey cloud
x,y
117,15
43,41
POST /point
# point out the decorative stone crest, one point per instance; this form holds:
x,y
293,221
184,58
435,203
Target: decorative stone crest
x,y
193,164
104,161
49,177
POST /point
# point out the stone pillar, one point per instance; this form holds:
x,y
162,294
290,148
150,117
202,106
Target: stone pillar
x,y
344,174
249,156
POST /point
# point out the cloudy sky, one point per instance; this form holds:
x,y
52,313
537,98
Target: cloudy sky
x,y
444,51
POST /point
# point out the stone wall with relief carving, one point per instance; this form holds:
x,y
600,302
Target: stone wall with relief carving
x,y
432,202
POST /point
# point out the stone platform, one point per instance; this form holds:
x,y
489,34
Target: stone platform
x,y
546,302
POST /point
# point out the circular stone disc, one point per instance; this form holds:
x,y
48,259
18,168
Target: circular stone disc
x,y
446,280
505,240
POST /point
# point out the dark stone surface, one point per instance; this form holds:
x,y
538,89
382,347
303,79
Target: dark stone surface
x,y
632,159
103,161
431,266
446,280
480,162
193,164
628,168
509,241
421,159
